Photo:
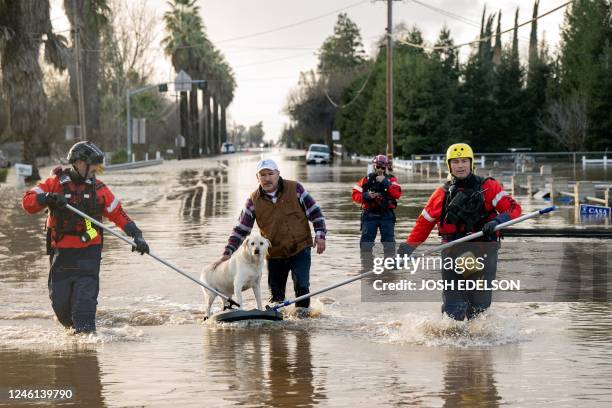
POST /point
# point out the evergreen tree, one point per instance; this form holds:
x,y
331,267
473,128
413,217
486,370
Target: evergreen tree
x,y
538,75
342,51
585,65
509,97
476,98
313,105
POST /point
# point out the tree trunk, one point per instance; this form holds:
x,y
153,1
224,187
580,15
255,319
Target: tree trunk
x,y
223,125
185,152
22,78
193,119
209,119
216,133
205,120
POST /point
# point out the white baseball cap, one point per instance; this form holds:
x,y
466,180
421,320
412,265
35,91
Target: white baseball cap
x,y
268,164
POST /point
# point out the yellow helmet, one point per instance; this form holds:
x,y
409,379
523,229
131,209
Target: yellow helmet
x,y
459,150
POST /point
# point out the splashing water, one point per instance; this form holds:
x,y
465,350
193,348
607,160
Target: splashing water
x,y
435,330
56,337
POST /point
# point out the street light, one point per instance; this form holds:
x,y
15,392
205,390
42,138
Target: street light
x,y
162,87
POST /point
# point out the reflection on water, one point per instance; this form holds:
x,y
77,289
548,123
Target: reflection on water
x,y
584,273
592,325
77,370
21,237
469,380
267,367
203,196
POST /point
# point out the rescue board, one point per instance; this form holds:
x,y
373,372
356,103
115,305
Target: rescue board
x,y
236,315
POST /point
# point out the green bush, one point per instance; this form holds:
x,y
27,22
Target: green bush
x,y
3,174
119,157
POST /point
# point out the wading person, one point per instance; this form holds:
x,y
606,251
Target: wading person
x,y
74,245
466,203
377,194
282,209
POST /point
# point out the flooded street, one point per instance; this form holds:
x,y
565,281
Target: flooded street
x,y
154,349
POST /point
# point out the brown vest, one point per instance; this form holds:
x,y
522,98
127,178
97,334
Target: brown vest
x,y
284,224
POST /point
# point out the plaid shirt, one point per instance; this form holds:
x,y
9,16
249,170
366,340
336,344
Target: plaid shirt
x,y
247,219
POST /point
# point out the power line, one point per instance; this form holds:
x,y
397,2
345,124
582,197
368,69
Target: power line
x,y
294,24
359,91
487,38
451,14
272,30
448,14
253,34
273,60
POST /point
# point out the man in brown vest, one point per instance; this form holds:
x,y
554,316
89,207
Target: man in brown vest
x,y
282,209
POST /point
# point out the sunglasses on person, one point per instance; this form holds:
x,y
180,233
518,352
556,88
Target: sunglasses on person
x,y
381,167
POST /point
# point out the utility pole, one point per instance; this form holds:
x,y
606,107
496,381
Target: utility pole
x,y
390,79
79,77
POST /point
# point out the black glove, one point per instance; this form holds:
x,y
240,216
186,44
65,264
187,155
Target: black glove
x,y
488,230
405,249
55,201
133,231
141,245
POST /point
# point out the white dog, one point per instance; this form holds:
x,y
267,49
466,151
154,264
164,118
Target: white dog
x,y
241,272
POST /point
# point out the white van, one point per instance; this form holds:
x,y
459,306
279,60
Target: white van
x,y
318,153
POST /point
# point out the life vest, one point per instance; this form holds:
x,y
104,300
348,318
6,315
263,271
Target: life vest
x,y
463,208
84,198
384,202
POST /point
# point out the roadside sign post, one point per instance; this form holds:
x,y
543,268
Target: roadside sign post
x,y
22,171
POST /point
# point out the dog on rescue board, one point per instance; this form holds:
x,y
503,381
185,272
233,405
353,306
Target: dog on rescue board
x,y
241,272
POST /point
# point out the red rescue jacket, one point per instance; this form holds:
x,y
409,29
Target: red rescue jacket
x,y
496,201
389,189
79,196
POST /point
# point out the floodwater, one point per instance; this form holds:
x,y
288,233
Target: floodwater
x,y
154,349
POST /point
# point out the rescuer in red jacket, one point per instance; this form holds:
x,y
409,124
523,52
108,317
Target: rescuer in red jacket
x,y
377,194
465,204
74,245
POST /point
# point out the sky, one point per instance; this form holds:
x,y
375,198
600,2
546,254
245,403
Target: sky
x,y
267,66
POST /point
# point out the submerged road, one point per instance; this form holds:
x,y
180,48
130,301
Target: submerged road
x,y
152,348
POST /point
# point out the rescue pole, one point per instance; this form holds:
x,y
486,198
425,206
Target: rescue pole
x,y
168,264
436,249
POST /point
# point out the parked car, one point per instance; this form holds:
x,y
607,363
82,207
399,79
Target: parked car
x,y
4,161
228,148
318,153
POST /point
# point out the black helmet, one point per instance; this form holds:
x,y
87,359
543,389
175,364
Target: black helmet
x,y
86,151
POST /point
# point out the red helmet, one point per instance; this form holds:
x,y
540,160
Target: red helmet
x,y
381,160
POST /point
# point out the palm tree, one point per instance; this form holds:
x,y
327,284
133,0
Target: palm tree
x,y
222,86
23,25
226,95
87,19
187,45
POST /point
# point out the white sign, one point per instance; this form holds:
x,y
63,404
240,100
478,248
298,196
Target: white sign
x,y
23,170
72,132
139,130
182,82
335,135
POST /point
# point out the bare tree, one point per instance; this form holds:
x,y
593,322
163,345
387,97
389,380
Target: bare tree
x,y
127,58
567,122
